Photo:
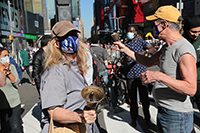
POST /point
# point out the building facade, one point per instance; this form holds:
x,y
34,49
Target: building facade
x,y
23,25
68,10
38,7
117,15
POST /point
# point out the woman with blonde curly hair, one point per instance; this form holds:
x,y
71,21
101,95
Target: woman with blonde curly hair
x,y
63,80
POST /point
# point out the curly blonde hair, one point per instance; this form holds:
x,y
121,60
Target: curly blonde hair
x,y
54,56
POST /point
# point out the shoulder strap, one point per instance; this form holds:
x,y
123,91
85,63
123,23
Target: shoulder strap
x,y
84,79
95,56
51,125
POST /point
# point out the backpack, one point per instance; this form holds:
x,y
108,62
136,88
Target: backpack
x,y
95,73
95,68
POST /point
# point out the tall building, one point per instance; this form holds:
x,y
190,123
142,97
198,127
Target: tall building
x,y
81,27
45,18
51,9
68,10
98,7
18,20
17,23
75,9
38,7
63,10
28,6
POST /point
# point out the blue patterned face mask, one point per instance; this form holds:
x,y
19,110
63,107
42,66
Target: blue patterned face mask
x,y
70,45
130,35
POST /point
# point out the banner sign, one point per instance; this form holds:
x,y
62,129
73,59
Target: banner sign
x,y
27,36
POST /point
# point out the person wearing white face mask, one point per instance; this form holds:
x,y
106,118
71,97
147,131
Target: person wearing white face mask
x,y
134,70
9,96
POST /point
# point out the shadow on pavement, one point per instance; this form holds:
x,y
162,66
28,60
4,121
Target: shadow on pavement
x,y
102,130
122,116
22,111
196,119
25,80
37,113
151,129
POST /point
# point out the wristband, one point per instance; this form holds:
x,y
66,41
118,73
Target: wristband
x,y
8,74
147,51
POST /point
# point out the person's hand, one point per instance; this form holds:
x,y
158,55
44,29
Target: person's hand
x,y
7,66
156,47
120,46
152,50
22,68
128,59
89,116
150,76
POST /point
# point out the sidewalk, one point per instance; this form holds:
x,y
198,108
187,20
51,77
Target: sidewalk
x,y
120,123
114,123
32,120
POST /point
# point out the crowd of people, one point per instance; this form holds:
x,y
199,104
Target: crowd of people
x,y
64,65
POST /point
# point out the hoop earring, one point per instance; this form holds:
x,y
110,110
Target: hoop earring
x,y
56,44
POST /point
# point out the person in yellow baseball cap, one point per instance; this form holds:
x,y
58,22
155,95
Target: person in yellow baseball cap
x,y
177,79
168,13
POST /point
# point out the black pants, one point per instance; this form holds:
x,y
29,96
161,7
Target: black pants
x,y
196,97
28,72
132,85
14,123
112,94
38,87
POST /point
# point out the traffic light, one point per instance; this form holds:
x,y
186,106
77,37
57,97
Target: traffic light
x,y
11,37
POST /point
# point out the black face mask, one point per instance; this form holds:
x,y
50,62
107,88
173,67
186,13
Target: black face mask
x,y
156,31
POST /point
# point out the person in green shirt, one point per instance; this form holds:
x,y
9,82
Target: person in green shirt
x,y
24,62
191,33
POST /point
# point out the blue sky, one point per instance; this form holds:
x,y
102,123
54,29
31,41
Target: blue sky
x,y
87,15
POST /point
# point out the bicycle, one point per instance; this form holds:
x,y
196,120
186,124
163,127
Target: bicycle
x,y
107,91
116,82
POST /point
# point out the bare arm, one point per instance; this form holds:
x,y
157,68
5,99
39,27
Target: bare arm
x,y
154,60
65,116
2,79
8,73
187,86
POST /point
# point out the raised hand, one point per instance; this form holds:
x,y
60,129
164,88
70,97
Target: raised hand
x,y
89,116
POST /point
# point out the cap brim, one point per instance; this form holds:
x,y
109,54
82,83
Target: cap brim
x,y
151,17
64,33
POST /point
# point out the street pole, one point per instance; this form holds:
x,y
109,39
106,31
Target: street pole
x,y
10,18
11,25
180,9
118,18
